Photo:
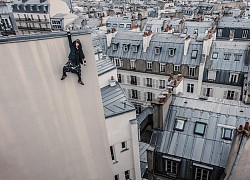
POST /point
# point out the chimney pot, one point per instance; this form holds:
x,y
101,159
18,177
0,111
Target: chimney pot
x,y
240,128
161,98
246,127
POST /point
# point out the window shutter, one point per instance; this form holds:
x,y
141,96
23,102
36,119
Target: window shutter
x,y
145,96
139,95
184,70
138,80
153,96
128,79
197,72
225,95
204,92
236,96
211,92
144,81
122,78
153,83
129,93
156,84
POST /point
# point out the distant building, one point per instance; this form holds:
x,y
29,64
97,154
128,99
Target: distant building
x,y
7,20
193,137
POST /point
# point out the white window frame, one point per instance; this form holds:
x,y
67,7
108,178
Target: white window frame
x,y
215,55
127,175
171,51
224,132
132,64
219,32
227,56
191,71
177,68
162,67
233,78
190,88
195,31
149,65
149,96
115,46
157,50
201,173
194,54
121,25
244,33
162,84
179,122
195,128
126,146
112,154
134,94
230,95
185,31
149,82
173,166
125,47
211,75
135,48
237,57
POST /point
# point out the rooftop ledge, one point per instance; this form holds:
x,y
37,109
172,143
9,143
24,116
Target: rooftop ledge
x,y
40,36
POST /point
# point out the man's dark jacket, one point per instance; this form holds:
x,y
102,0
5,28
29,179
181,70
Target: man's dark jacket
x,y
75,55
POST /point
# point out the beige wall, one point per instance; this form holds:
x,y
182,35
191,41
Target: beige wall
x,y
50,129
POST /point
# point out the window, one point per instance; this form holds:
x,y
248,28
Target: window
x,y
237,57
232,31
215,55
133,80
196,31
171,167
191,71
201,174
211,75
134,94
38,8
119,76
149,96
112,152
190,88
32,18
194,54
177,68
244,33
114,25
135,48
18,7
227,133
24,7
38,17
185,31
31,8
124,146
149,82
162,84
138,108
148,28
125,47
233,78
162,67
230,95
199,128
121,25
171,51
128,26
132,64
127,174
118,62
207,92
179,124
108,24
157,50
115,46
227,56
117,177
219,32
149,65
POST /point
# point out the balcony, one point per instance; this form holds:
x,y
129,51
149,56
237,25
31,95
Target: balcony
x,y
133,82
42,21
149,85
33,28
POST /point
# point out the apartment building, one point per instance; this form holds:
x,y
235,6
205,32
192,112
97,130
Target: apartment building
x,y
121,123
196,137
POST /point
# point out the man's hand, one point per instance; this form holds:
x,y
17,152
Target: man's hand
x,y
85,63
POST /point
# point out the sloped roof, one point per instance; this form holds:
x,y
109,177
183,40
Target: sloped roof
x,y
210,148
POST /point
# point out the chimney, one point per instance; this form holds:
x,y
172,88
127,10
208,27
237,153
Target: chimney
x,y
160,110
231,36
110,35
186,44
112,81
146,40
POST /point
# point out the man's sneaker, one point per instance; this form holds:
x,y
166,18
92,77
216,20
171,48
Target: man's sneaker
x,y
80,82
63,77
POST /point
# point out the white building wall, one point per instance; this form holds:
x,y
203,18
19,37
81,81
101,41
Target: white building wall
x,y
104,78
190,81
119,130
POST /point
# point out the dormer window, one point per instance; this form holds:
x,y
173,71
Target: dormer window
x,y
157,50
38,8
171,51
194,54
233,78
128,26
196,31
115,46
45,8
24,7
211,75
121,25
149,65
108,25
18,7
125,47
215,55
135,48
132,64
179,124
185,31
31,8
227,133
114,25
200,128
237,57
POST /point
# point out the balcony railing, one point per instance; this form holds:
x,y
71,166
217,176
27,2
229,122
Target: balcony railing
x,y
44,21
133,82
33,28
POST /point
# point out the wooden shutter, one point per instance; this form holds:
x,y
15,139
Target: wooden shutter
x,y
169,68
184,70
196,72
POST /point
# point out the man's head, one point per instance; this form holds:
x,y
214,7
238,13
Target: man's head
x,y
77,43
